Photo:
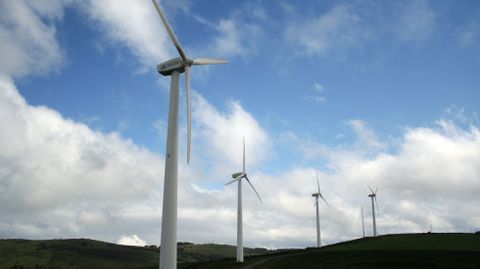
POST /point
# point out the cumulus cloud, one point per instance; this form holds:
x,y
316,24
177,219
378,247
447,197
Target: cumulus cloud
x,y
132,240
142,33
52,166
58,178
237,35
433,173
223,132
366,137
28,44
235,38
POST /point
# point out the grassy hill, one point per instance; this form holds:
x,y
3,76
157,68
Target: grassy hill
x,y
85,253
459,251
455,251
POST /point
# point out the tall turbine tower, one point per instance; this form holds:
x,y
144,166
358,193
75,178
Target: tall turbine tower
x,y
316,195
363,222
238,177
373,196
173,68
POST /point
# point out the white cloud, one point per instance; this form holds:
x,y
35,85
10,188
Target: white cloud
x,y
132,240
53,168
28,44
222,133
432,178
142,33
416,21
59,178
230,40
318,87
344,28
235,36
366,136
338,29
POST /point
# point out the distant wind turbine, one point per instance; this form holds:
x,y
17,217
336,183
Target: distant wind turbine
x,y
173,68
363,222
238,177
373,196
316,195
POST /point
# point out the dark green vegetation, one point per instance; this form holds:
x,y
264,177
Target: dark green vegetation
x,y
389,251
85,253
455,251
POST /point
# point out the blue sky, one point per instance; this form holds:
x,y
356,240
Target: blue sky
x,y
381,93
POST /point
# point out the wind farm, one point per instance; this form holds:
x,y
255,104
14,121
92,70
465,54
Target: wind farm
x,y
99,167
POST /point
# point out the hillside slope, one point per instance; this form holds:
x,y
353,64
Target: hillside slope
x,y
389,251
85,253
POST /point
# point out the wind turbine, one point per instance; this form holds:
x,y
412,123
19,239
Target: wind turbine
x,y
316,195
373,196
238,177
173,68
363,222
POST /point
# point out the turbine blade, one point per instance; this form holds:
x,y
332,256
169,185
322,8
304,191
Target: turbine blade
x,y
204,61
376,203
244,154
235,179
370,188
170,32
324,200
376,190
318,184
258,195
189,118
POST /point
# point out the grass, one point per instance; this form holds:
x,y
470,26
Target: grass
x,y
439,251
428,241
73,253
85,253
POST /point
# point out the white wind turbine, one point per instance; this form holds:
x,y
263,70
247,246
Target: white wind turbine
x,y
238,177
173,68
316,195
373,196
363,221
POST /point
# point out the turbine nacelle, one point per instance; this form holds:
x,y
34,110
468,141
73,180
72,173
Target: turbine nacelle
x,y
238,175
175,64
315,194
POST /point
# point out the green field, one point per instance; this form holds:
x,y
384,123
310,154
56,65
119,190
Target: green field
x,y
91,254
454,251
